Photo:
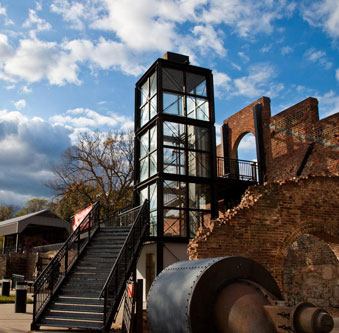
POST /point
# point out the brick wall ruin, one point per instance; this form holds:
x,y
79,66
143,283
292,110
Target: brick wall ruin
x,y
287,137
268,222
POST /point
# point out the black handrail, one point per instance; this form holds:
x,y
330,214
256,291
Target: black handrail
x,y
237,169
125,263
55,272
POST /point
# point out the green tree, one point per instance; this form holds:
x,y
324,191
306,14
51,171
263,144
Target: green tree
x,y
33,205
98,167
7,212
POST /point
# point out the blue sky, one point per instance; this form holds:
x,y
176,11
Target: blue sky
x,y
68,66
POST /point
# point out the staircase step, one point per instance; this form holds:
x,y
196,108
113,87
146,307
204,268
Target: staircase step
x,y
77,308
70,324
91,270
62,299
102,250
80,293
73,315
90,284
94,263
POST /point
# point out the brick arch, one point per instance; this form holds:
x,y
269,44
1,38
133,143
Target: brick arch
x,y
269,219
242,123
234,151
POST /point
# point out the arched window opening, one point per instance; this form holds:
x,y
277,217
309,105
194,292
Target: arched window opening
x,y
246,164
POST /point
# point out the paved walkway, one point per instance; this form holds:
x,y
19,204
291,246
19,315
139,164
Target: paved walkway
x,y
11,322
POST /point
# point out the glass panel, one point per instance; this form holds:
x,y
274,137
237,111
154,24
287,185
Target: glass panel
x,y
143,195
144,115
143,169
198,164
153,197
174,134
197,219
197,108
174,222
144,145
174,194
153,84
153,223
172,79
153,164
172,104
190,104
153,105
198,138
153,138
144,93
199,196
202,109
174,161
196,84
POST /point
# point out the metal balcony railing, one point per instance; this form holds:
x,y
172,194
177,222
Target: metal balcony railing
x,y
237,169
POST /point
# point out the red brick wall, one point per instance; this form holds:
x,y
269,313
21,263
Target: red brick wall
x,y
242,123
292,131
270,218
287,137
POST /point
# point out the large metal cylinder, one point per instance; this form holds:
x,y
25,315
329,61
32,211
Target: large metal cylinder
x,y
189,296
229,295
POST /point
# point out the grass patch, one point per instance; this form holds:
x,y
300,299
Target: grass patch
x,y
11,299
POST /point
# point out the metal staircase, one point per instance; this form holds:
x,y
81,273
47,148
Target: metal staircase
x,y
83,285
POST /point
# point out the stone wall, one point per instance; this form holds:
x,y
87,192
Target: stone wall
x,y
311,272
269,219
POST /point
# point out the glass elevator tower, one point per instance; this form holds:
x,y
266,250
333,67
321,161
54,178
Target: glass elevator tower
x,y
175,158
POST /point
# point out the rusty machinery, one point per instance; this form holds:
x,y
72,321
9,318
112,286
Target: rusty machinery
x,y
229,294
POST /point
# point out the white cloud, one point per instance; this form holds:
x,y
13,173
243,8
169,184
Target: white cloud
x,y
222,83
257,82
208,39
35,21
324,14
73,13
246,18
266,48
85,118
20,104
337,74
3,13
328,104
318,56
35,60
243,56
286,50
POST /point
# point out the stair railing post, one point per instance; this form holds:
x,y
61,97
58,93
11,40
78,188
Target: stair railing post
x,y
78,247
66,261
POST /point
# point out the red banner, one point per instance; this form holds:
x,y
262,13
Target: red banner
x,y
78,217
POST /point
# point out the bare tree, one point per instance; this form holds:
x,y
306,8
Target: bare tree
x,y
100,161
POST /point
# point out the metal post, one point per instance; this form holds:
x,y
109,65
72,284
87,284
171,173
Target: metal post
x,y
139,312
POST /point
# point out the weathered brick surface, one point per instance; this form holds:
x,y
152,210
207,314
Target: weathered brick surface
x,y
287,137
311,272
270,218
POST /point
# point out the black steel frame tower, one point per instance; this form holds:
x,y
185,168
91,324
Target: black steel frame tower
x,y
175,149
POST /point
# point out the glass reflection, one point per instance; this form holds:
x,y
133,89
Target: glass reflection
x,y
174,222
174,161
174,194
198,164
